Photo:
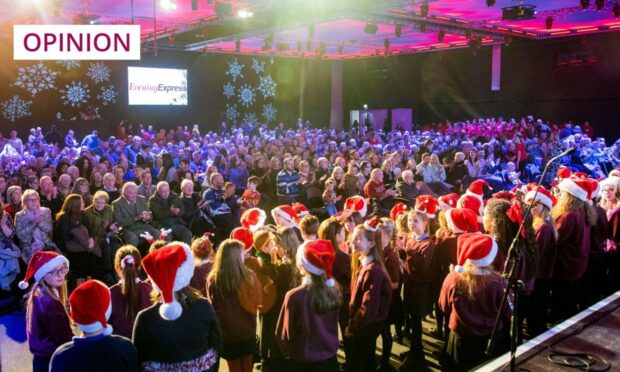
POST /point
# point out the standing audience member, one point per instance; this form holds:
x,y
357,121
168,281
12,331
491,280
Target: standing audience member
x,y
203,252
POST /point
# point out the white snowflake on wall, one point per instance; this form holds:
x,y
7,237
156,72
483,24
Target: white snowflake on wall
x,y
15,108
250,117
99,72
247,96
258,66
229,90
269,112
231,112
108,95
235,69
266,86
69,64
75,94
35,78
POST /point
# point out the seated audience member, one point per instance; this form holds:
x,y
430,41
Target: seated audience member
x,y
132,214
33,226
168,211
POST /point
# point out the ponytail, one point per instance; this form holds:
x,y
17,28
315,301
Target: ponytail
x,y
127,263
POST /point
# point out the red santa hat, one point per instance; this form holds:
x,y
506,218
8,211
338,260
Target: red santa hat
x,y
253,219
170,268
581,188
448,201
372,224
286,212
476,188
318,259
461,220
472,203
42,263
244,235
300,209
506,195
544,196
477,249
426,204
398,209
563,172
91,307
356,204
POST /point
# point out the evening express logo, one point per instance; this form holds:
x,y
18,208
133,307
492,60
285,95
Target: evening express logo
x,y
76,42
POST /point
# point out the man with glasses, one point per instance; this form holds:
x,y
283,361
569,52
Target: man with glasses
x,y
132,214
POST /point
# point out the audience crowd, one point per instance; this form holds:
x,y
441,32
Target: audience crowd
x,y
163,247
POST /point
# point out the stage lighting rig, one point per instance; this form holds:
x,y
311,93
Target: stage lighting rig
x,y
371,28
549,23
424,10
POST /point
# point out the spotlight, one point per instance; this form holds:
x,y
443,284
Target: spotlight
x,y
242,13
441,36
371,28
168,4
549,23
599,4
311,30
585,4
238,45
616,10
398,30
422,27
490,2
424,10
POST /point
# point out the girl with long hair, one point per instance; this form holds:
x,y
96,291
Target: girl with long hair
x,y
546,237
573,220
235,293
501,220
472,294
610,201
391,260
333,229
130,295
203,252
370,296
307,328
418,295
47,322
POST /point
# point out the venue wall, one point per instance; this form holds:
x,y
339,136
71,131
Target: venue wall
x,y
275,83
563,79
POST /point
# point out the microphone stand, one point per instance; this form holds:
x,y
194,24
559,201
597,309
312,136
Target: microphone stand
x,y
511,269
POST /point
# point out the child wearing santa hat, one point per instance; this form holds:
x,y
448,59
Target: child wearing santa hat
x,y
370,297
161,331
130,295
47,322
91,306
458,222
418,276
546,237
472,295
236,294
573,219
307,328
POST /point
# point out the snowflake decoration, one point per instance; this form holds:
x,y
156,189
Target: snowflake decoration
x,y
267,86
231,112
69,64
250,117
107,95
247,96
235,69
269,112
258,66
75,94
229,90
15,108
99,72
35,78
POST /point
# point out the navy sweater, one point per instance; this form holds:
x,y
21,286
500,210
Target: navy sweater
x,y
97,353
